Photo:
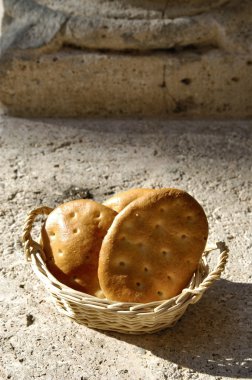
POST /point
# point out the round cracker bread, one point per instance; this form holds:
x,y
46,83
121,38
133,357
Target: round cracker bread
x,y
120,200
71,239
153,247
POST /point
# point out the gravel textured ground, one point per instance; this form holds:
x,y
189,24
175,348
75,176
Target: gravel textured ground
x,y
47,162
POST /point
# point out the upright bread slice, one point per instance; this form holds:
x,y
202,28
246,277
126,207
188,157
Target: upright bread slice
x,y
120,200
153,247
72,238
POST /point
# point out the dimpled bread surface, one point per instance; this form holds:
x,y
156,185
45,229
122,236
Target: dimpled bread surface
x,y
71,238
120,200
153,247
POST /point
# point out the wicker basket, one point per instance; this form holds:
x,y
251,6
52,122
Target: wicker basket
x,y
125,317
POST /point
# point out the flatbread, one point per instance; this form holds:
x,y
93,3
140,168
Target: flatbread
x,y
120,200
153,247
71,239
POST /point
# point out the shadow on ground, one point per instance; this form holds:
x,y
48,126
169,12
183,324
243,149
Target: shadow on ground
x,y
213,337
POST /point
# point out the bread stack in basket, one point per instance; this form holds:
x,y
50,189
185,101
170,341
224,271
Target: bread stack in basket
x,y
141,245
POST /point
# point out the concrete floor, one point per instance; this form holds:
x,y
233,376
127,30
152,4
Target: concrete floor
x,y
48,162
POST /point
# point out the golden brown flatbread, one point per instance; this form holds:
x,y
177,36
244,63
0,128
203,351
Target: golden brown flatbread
x,y
153,247
71,239
120,200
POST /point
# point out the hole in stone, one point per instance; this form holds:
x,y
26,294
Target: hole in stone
x,y
235,79
72,214
52,233
138,284
186,81
146,269
168,277
159,293
87,257
157,226
75,230
162,210
189,217
183,236
205,238
249,63
164,253
122,264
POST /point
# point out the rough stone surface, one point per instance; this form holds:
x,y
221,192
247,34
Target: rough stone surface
x,y
73,83
48,162
123,57
134,9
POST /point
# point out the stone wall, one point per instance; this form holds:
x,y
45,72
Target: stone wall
x,y
138,58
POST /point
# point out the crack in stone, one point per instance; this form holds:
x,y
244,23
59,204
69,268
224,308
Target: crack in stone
x,y
164,10
139,52
166,92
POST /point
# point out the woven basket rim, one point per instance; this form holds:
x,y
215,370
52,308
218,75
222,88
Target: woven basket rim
x,y
38,263
202,278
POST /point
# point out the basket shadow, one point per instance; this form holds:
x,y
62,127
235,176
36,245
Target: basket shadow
x,y
213,337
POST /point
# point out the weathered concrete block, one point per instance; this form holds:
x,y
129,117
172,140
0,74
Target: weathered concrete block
x,y
127,58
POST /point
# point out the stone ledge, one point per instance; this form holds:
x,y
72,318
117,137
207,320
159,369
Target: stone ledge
x,y
75,83
34,24
128,59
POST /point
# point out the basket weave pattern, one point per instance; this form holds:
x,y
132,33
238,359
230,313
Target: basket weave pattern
x,y
125,317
